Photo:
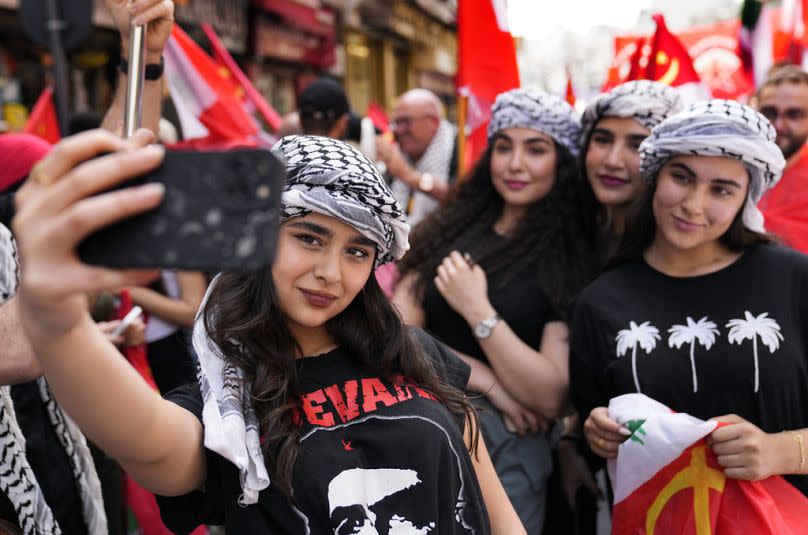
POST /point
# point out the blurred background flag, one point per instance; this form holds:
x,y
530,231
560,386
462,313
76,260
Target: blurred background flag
x,y
486,66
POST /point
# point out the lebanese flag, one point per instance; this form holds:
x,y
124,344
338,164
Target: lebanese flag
x,y
208,105
230,69
666,481
43,121
486,65
670,63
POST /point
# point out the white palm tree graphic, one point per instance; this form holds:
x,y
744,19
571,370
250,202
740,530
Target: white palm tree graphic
x,y
750,329
645,335
703,331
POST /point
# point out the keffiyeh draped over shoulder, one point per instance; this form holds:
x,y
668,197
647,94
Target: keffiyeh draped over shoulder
x,y
645,101
330,177
538,111
720,128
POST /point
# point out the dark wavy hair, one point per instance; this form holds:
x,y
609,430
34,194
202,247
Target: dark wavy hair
x,y
550,233
243,317
641,229
593,213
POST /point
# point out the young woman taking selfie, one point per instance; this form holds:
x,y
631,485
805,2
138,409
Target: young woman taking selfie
x,y
317,410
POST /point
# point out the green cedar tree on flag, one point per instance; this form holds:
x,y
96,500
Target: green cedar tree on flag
x,y
666,481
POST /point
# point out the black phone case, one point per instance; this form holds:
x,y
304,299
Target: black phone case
x,y
220,212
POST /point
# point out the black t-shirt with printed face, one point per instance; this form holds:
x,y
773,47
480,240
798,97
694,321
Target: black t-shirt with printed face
x,y
378,456
733,341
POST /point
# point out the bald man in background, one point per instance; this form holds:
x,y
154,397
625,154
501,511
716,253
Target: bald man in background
x,y
422,162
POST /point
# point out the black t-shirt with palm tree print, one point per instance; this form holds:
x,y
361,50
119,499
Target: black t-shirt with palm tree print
x,y
733,341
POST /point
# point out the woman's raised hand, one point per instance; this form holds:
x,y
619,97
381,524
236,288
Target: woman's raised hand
x,y
464,286
58,208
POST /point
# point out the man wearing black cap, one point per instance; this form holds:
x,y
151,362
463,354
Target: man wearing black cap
x,y
324,109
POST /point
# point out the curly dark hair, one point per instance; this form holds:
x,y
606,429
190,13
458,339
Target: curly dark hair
x,y
243,317
550,232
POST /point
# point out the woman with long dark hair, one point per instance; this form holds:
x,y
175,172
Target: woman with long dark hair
x,y
700,310
493,273
317,410
613,126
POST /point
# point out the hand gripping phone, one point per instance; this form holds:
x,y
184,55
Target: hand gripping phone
x,y
220,212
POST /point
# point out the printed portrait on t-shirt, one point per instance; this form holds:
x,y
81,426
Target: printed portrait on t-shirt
x,y
386,490
355,495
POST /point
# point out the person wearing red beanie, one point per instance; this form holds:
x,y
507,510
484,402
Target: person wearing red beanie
x,y
19,153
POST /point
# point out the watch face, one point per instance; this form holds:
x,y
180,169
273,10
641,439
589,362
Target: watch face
x,y
481,330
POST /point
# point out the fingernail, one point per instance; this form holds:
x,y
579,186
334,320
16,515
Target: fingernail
x,y
152,189
155,150
625,432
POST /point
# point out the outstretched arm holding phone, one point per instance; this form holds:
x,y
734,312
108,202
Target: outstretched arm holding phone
x,y
159,443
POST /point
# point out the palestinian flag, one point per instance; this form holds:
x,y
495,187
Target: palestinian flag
x,y
666,481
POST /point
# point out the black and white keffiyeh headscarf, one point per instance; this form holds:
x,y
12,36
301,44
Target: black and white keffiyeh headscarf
x,y
645,101
538,111
324,176
720,128
330,177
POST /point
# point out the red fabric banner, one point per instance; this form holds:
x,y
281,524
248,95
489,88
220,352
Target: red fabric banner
x,y
43,121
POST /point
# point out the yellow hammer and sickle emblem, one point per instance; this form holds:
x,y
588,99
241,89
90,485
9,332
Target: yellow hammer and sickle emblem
x,y
673,71
701,478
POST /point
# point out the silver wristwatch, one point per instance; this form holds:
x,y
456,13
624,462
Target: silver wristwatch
x,y
483,328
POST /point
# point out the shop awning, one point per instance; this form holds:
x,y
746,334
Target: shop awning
x,y
310,16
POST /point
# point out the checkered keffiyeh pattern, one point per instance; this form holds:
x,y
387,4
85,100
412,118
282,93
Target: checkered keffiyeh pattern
x,y
645,101
323,176
538,111
720,128
332,178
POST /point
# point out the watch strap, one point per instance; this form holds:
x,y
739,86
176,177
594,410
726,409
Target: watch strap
x,y
153,70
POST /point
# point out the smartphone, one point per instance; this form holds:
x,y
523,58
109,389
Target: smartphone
x,y
127,320
220,212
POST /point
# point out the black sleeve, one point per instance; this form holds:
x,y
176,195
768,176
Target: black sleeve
x,y
588,387
6,208
183,514
452,369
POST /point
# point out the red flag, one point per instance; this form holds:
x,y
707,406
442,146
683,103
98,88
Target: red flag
x,y
136,355
691,495
486,64
667,480
206,102
639,61
380,120
785,207
570,93
669,63
221,55
43,121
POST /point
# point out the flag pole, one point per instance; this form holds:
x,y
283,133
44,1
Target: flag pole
x,y
134,80
462,112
